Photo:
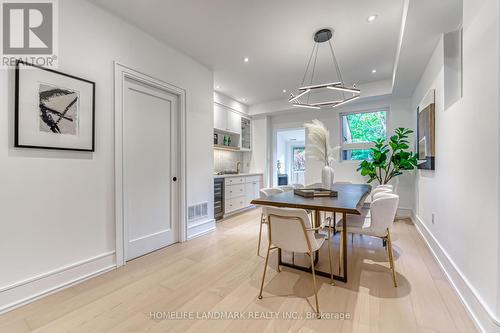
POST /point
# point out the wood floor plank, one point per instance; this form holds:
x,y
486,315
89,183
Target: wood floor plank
x,y
220,273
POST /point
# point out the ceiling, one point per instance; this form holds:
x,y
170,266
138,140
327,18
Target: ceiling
x,y
276,36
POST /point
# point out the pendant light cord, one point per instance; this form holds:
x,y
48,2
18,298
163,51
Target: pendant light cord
x,y
320,37
337,68
313,69
308,64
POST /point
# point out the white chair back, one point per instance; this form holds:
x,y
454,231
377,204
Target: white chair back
x,y
379,189
269,191
383,211
287,227
266,193
297,186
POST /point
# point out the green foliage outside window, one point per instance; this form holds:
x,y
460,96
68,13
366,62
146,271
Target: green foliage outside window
x,y
299,158
364,127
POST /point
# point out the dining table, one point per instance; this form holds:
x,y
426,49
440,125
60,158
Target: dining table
x,y
350,199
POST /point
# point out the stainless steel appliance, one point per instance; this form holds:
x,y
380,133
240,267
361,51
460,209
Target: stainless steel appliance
x,y
218,198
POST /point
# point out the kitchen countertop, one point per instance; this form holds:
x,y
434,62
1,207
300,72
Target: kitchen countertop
x,y
239,175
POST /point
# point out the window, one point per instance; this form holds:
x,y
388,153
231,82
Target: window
x,y
299,158
359,129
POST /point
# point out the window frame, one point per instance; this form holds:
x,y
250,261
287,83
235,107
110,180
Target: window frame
x,y
292,162
359,145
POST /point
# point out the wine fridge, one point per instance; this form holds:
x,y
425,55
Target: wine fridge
x,y
218,198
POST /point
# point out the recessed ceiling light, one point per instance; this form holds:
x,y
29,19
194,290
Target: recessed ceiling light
x,y
244,99
217,87
371,18
284,90
374,71
245,59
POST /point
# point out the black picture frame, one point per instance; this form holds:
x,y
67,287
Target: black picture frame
x,y
17,144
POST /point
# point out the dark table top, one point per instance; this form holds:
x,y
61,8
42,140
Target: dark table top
x,y
350,199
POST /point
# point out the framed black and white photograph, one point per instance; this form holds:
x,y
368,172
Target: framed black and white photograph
x,y
53,110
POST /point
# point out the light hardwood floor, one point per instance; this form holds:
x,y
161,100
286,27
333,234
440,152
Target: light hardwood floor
x,y
221,272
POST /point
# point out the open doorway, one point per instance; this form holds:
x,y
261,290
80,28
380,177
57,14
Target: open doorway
x,y
290,159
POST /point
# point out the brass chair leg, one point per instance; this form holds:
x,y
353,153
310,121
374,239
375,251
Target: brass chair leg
x,y
314,284
260,233
265,267
391,258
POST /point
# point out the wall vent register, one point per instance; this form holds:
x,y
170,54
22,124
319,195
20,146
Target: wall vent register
x,y
198,211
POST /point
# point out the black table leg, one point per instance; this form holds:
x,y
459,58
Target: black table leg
x,y
317,223
342,278
344,246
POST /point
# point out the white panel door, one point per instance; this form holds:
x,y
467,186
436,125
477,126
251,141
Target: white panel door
x,y
149,167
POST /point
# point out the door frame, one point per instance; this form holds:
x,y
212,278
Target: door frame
x,y
122,73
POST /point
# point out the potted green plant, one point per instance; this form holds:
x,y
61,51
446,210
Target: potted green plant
x,y
389,158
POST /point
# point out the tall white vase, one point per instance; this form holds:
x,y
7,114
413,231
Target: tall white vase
x,y
327,177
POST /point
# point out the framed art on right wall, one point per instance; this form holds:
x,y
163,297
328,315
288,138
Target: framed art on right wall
x,y
426,132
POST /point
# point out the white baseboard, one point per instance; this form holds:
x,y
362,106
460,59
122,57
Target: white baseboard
x,y
404,212
200,229
28,290
239,211
484,318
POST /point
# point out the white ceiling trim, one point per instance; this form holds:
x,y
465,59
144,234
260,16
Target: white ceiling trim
x,y
400,41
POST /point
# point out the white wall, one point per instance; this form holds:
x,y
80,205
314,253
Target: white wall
x,y
57,208
400,115
463,191
260,157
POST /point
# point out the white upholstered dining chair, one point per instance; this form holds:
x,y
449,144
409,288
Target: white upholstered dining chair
x,y
266,193
291,230
286,188
382,214
378,189
387,186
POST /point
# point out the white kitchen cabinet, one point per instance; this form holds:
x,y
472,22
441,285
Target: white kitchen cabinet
x,y
226,120
239,192
252,191
246,134
235,191
220,118
235,204
233,122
